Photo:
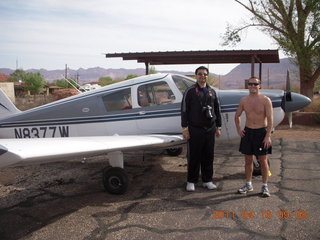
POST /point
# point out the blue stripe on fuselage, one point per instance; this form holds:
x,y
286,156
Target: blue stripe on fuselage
x,y
117,117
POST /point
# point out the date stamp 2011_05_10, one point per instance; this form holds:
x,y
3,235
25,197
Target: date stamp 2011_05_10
x,y
262,214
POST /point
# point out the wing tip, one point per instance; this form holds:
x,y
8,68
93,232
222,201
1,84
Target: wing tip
x,y
3,150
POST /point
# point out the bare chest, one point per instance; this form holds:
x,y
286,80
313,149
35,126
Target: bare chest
x,y
256,107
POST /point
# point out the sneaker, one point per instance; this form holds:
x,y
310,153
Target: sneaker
x,y
190,187
246,188
209,185
265,191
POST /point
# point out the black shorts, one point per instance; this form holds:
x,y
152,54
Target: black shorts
x,y
252,142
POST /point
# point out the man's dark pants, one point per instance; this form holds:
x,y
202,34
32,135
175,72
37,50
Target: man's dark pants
x,y
200,154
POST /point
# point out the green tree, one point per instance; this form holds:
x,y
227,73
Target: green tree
x,y
61,83
34,82
294,25
103,81
152,70
131,76
65,84
18,75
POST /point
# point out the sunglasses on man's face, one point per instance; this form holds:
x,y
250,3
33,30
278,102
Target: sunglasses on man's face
x,y
253,84
202,74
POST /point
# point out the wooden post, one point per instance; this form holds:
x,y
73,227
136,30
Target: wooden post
x,y
252,66
147,68
260,72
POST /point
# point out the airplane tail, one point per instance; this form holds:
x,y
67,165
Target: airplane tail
x,y
7,108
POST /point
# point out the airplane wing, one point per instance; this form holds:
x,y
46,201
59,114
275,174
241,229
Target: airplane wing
x,y
17,151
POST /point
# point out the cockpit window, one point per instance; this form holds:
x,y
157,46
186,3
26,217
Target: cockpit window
x,y
183,82
117,101
155,94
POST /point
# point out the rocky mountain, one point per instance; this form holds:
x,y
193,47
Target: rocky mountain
x,y
273,74
83,75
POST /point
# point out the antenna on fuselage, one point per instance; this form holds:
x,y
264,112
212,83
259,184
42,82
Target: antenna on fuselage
x,y
73,84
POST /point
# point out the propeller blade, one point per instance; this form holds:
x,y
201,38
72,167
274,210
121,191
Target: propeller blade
x,y
288,88
290,119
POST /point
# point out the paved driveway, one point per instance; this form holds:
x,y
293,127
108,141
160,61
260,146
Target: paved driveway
x,y
67,200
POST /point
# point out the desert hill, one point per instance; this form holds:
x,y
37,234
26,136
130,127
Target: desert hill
x,y
273,74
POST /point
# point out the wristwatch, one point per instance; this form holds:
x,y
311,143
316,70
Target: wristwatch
x,y
219,128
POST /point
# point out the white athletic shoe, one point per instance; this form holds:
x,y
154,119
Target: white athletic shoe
x,y
246,188
209,185
190,187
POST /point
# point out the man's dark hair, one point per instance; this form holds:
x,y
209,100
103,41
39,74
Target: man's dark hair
x,y
201,67
255,79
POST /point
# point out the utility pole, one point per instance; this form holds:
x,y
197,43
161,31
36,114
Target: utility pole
x,y
77,77
66,72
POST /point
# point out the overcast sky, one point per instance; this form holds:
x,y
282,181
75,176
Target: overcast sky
x,y
51,33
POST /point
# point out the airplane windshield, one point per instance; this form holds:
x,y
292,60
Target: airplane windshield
x,y
183,82
155,94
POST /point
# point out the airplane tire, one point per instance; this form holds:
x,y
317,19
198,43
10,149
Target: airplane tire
x,y
256,167
115,180
174,151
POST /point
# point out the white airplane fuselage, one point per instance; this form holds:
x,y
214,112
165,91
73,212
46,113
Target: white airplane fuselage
x,y
143,105
140,113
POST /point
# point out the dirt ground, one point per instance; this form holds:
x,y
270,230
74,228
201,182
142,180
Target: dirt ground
x,y
297,132
66,200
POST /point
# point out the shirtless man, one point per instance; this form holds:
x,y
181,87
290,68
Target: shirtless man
x,y
256,136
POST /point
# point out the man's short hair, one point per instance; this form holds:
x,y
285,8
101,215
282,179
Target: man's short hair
x,y
201,68
255,78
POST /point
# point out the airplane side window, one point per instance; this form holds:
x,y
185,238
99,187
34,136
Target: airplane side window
x,y
183,82
155,94
145,96
117,101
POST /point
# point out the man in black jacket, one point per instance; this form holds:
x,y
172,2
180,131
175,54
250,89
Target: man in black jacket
x,y
201,122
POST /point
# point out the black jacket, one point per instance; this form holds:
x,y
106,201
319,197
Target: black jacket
x,y
194,106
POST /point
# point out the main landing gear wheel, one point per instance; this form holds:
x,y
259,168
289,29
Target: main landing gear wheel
x,y
115,180
257,167
174,151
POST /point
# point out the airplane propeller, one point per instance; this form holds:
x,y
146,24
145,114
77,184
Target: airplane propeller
x,y
293,101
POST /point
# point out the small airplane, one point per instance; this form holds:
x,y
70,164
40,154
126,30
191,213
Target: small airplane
x,y
138,113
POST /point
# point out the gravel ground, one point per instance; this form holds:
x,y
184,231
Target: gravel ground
x,y
297,132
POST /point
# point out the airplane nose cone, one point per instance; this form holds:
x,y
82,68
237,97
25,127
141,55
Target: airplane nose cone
x,y
297,102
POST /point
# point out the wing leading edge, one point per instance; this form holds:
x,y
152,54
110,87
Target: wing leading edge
x,y
19,151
